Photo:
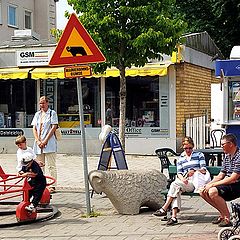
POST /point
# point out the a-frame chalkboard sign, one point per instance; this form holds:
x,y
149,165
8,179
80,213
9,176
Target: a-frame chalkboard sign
x,y
112,147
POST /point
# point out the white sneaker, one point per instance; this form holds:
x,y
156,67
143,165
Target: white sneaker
x,y
30,208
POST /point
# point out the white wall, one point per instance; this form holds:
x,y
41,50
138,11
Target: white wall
x,y
216,106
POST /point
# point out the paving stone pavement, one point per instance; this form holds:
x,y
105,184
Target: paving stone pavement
x,y
194,220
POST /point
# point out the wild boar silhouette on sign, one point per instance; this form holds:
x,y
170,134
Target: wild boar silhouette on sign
x,y
76,50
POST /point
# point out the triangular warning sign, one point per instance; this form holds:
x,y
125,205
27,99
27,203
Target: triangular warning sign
x,y
76,46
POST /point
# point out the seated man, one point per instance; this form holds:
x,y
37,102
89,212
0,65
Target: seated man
x,y
225,186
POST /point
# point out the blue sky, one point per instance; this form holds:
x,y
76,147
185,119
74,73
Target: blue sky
x,y
62,6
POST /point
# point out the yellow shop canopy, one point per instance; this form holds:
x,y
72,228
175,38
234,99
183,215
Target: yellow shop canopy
x,y
14,73
156,69
48,72
147,70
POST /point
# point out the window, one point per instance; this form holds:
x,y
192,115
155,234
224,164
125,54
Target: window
x,y
234,100
28,20
142,106
12,16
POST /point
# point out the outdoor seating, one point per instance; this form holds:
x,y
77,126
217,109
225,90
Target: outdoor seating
x,y
216,136
162,154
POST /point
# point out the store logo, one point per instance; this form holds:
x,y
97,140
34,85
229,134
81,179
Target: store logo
x,y
238,67
11,132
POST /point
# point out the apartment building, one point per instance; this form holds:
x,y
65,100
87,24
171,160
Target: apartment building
x,y
37,15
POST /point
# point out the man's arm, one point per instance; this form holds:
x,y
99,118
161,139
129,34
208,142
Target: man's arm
x,y
226,181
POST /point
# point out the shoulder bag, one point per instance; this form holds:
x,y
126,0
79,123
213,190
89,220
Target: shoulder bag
x,y
57,133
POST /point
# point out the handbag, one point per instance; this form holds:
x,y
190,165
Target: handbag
x,y
58,132
199,180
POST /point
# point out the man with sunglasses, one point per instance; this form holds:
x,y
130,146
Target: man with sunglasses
x,y
225,186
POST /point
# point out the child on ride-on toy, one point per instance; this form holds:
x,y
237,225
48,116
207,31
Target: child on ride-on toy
x,y
32,170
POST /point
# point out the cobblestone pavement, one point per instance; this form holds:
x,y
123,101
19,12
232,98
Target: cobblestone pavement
x,y
194,220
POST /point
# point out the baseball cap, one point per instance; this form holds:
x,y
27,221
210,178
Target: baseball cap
x,y
26,158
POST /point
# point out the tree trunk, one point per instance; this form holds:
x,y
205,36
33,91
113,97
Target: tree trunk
x,y
122,106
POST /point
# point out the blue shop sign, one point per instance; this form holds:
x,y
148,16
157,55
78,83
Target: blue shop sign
x,y
230,68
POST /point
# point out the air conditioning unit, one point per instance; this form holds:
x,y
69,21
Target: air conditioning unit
x,y
25,34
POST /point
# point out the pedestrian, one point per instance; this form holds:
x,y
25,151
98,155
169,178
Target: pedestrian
x,y
21,143
36,179
189,162
45,123
225,186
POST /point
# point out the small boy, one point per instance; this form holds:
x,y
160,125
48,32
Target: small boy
x,y
32,170
21,142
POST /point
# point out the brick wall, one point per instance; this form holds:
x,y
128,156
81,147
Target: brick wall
x,y
193,93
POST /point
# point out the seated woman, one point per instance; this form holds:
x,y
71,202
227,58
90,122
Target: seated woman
x,y
188,163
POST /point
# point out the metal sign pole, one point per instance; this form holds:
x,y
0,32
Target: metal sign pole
x,y
84,152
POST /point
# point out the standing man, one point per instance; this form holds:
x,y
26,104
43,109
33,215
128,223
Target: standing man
x,y
44,125
225,186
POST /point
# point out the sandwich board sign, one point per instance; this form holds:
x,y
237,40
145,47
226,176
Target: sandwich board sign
x,y
76,46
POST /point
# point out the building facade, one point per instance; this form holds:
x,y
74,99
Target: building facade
x,y
39,16
160,96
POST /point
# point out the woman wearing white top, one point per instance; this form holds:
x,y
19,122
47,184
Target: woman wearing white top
x,y
44,125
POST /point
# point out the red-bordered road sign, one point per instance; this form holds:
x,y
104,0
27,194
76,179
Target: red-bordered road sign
x,y
76,46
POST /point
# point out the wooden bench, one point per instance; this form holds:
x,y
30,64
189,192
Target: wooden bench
x,y
213,170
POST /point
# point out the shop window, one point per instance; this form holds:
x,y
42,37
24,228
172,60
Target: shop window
x,y
68,108
234,101
27,20
142,106
12,16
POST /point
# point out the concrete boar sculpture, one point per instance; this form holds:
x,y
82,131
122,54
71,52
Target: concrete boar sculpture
x,y
129,190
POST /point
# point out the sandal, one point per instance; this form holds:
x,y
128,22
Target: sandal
x,y
160,213
172,221
225,223
217,220
52,189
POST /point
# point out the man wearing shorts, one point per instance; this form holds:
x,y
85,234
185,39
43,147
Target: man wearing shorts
x,y
226,185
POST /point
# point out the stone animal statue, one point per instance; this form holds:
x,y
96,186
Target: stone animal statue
x,y
129,190
76,50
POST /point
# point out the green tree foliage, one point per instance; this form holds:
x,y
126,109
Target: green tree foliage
x,y
56,33
220,18
129,32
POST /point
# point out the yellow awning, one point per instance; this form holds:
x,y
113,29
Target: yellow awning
x,y
156,69
14,73
47,72
147,70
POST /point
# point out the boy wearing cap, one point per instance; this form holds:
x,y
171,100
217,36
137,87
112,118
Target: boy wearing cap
x,y
32,170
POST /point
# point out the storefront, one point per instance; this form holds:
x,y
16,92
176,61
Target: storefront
x,y
149,94
229,72
159,98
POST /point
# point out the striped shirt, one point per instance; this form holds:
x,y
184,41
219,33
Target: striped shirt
x,y
231,165
196,161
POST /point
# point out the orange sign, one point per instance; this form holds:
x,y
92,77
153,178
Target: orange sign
x,y
76,46
77,71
